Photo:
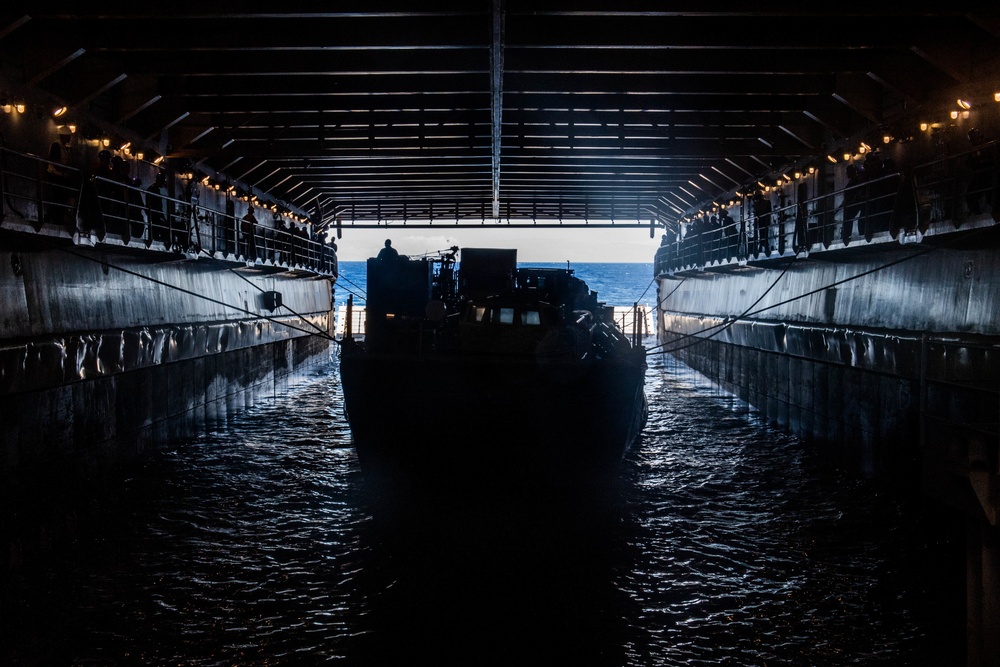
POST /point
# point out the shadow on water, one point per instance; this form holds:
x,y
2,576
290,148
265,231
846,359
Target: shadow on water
x,y
721,542
496,577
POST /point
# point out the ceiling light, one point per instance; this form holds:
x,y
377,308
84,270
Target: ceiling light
x,y
58,112
954,115
831,159
886,139
996,96
125,146
963,104
923,127
20,107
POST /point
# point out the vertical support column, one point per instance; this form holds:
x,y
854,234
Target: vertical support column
x,y
496,94
991,595
635,324
982,594
349,318
922,398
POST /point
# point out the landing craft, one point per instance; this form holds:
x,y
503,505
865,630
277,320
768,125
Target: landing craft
x,y
490,371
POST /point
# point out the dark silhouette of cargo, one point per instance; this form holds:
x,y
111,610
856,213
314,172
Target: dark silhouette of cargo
x,y
489,372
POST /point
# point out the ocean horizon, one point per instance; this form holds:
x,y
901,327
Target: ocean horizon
x,y
616,283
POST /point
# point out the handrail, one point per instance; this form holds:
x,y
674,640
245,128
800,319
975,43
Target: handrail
x,y
933,198
42,196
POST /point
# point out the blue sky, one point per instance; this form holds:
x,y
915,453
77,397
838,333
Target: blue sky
x,y
533,245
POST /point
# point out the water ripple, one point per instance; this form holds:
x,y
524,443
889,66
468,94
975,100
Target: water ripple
x,y
724,542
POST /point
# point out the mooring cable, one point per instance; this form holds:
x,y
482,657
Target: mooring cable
x,y
340,278
263,291
205,297
728,322
750,312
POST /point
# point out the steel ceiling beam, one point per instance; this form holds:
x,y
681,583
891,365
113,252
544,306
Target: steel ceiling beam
x,y
507,107
496,98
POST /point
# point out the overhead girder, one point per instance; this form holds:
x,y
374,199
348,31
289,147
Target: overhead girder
x,y
589,107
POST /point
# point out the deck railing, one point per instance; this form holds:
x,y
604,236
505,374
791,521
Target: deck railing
x,y
48,198
957,192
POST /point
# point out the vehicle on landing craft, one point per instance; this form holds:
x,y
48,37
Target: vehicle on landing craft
x,y
489,370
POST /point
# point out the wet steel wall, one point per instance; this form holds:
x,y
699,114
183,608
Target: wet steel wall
x,y
103,357
890,362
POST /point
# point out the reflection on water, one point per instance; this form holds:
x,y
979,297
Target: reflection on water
x,y
722,542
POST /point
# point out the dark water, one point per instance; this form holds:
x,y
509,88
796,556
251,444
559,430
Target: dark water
x,y
721,542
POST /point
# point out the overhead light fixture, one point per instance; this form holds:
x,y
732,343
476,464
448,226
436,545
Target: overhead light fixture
x,y
72,128
963,104
58,112
996,96
847,156
831,159
923,127
965,114
886,139
812,170
20,107
158,159
105,142
125,146
954,115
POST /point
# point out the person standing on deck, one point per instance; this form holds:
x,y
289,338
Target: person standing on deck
x,y
248,230
388,253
